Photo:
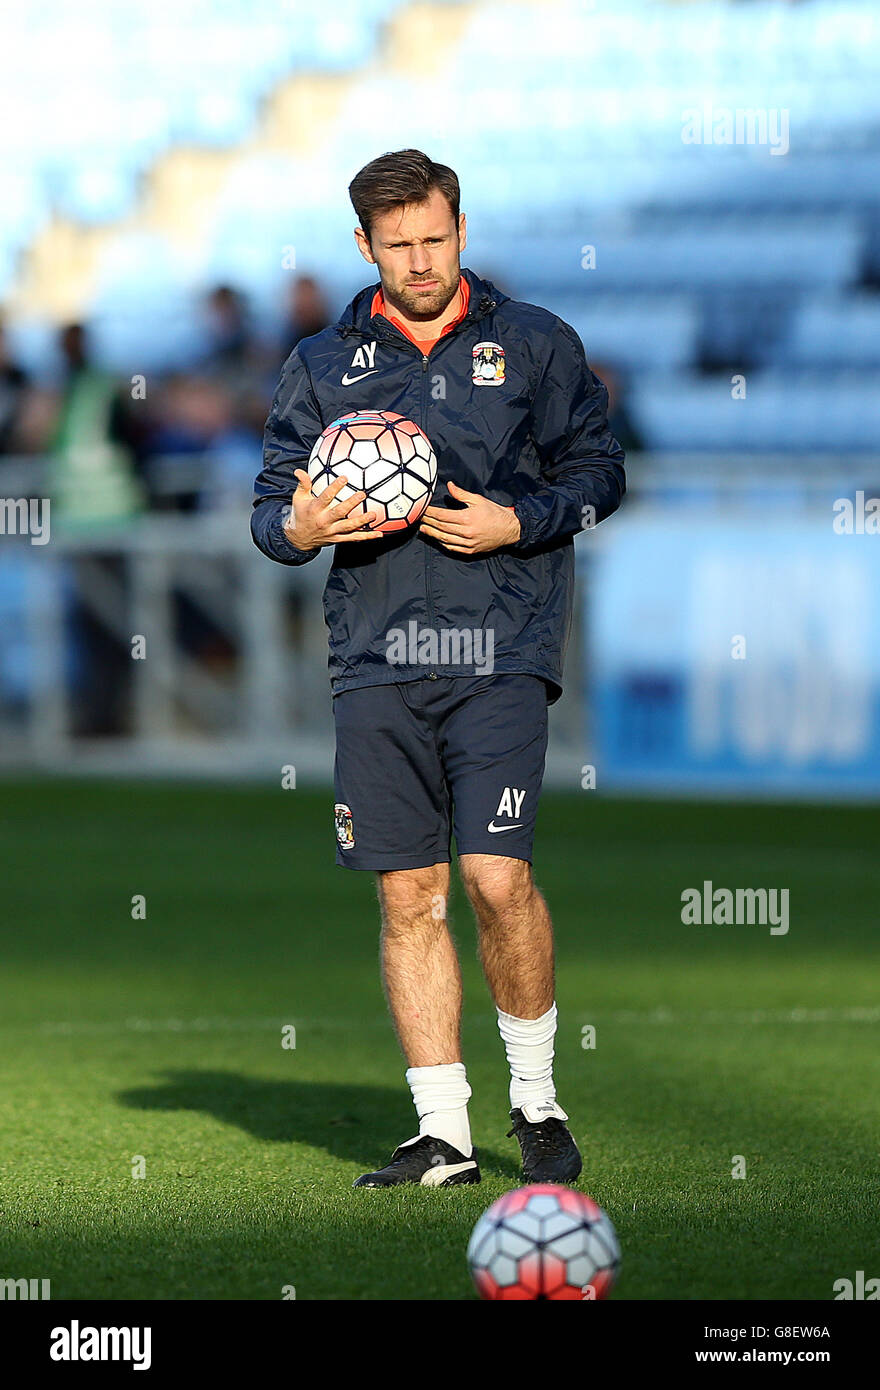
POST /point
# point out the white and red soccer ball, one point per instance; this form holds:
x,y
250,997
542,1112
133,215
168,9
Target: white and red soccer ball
x,y
382,454
544,1242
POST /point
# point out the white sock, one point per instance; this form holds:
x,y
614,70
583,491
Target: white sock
x,y
441,1095
529,1046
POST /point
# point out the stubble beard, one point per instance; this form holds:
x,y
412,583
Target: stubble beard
x,y
426,304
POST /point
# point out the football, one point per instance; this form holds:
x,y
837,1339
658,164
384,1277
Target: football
x,y
544,1242
382,454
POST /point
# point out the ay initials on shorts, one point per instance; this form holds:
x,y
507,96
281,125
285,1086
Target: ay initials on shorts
x,y
509,805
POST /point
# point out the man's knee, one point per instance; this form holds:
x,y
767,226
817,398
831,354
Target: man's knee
x,y
495,883
407,896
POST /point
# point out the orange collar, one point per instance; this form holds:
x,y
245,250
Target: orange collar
x,y
423,344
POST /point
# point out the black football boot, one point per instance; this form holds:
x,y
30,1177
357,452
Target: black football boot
x,y
549,1154
425,1160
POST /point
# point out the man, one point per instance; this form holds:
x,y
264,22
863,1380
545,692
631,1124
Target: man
x,y
14,386
525,460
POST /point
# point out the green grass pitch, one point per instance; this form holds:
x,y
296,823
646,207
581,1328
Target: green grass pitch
x,y
162,1039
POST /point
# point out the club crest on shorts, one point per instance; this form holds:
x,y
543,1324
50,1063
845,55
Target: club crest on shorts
x,y
488,364
344,826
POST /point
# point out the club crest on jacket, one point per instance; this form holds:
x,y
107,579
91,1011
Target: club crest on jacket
x,y
488,364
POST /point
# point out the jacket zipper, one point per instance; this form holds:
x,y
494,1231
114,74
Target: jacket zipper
x,y
468,318
429,586
405,343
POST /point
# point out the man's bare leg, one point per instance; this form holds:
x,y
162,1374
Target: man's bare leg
x,y
516,951
422,980
515,933
420,969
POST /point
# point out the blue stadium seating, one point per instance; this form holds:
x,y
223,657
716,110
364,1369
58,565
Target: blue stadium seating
x,y
566,126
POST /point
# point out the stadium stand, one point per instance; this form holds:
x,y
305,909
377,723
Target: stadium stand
x,y
138,172
173,190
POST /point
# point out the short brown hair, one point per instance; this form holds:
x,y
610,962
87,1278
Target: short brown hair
x,y
397,179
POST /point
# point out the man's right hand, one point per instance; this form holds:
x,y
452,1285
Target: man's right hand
x,y
316,521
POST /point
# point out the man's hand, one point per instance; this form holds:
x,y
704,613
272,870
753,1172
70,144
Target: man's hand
x,y
316,521
482,525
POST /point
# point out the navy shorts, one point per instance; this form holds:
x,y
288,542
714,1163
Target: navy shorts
x,y
419,760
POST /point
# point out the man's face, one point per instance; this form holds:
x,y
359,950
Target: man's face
x,y
417,249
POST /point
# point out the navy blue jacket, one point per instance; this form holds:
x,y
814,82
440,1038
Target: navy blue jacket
x,y
537,437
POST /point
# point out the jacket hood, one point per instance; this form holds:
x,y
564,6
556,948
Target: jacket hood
x,y
484,297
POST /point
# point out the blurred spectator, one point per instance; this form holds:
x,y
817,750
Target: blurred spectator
x,y
623,427
35,425
307,312
93,473
197,416
13,392
191,411
228,328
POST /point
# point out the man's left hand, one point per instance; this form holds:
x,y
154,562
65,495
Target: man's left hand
x,y
479,526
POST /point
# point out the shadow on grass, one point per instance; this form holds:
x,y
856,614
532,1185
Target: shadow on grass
x,y
359,1124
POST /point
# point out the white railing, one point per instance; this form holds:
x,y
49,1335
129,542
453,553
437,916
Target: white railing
x,y
264,703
